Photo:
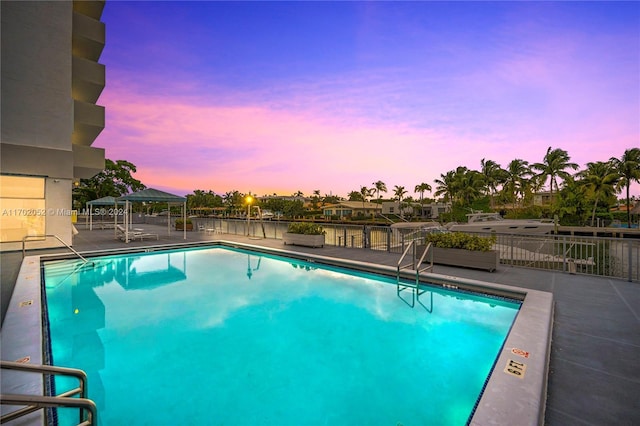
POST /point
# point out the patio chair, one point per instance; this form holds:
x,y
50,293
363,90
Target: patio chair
x,y
134,235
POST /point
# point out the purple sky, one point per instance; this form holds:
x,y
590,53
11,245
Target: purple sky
x,y
280,97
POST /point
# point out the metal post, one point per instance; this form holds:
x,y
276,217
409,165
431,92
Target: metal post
x,y
512,249
630,261
564,254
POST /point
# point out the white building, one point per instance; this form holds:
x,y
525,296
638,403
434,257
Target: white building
x,y
51,81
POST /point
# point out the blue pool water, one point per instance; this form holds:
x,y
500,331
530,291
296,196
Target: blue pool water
x,y
221,336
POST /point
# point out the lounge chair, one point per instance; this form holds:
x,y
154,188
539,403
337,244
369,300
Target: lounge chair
x,y
135,235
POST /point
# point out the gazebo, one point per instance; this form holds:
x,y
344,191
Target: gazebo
x,y
152,195
104,201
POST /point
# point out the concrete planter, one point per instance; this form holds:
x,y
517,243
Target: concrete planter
x,y
303,240
487,260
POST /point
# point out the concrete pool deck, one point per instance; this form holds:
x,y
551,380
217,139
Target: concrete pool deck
x,y
593,376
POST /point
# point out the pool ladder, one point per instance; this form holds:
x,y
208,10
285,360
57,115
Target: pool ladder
x,y
32,403
415,264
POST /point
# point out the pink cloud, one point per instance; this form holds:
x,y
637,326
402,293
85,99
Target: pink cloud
x,y
335,136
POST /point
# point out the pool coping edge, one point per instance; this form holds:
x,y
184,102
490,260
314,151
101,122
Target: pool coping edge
x,y
507,399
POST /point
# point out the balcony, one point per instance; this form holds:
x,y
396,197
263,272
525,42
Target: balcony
x,y
88,122
87,161
88,37
89,8
88,80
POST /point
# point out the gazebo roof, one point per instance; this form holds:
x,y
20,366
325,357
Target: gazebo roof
x,y
151,194
104,201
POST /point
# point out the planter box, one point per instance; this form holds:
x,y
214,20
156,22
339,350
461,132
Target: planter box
x,y
303,240
180,227
488,260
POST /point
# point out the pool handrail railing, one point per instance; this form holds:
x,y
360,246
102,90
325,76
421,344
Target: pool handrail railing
x,y
33,403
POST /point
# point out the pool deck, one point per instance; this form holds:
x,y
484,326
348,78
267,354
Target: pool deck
x,y
594,375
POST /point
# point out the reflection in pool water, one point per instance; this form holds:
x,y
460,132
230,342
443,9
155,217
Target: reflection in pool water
x,y
221,336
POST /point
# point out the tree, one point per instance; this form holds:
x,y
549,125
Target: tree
x,y
493,175
315,199
468,185
366,193
554,166
628,168
399,192
233,201
421,189
444,186
114,181
516,177
600,180
201,198
355,196
379,186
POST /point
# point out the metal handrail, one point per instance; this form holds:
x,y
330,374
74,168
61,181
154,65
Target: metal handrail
x,y
36,402
24,239
424,254
399,265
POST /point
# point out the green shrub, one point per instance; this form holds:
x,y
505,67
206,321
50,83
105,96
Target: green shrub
x,y
180,221
306,228
460,240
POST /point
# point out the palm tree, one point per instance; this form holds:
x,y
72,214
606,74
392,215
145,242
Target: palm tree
x,y
468,185
399,192
628,168
421,190
494,175
366,193
445,186
555,162
380,186
316,198
600,180
516,176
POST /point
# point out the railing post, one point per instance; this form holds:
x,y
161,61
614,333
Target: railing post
x,y
512,249
630,261
389,240
564,253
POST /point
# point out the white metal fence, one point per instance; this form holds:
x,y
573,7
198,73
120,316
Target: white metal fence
x,y
606,257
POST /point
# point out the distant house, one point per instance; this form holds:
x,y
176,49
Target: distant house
x,y
426,211
352,208
393,207
431,210
542,198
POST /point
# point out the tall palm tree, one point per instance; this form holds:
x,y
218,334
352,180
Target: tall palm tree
x,y
379,186
600,180
445,186
399,192
554,166
421,190
494,175
628,168
516,177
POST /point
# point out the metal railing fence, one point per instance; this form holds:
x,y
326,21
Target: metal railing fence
x,y
599,256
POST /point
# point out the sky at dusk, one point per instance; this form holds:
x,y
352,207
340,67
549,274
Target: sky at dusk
x,y
280,97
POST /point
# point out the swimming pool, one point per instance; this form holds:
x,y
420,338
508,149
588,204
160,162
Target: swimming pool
x,y
228,336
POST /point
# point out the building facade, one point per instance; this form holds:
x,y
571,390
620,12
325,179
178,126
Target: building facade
x,y
51,81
